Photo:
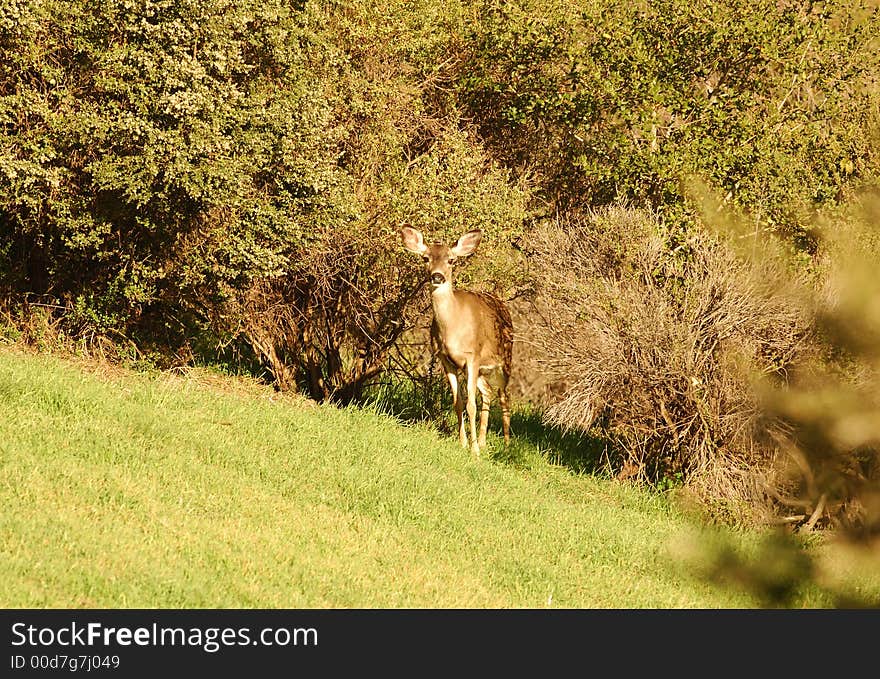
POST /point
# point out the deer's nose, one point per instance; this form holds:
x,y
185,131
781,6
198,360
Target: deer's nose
x,y
438,278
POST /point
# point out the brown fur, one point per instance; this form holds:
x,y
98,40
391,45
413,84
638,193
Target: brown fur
x,y
503,329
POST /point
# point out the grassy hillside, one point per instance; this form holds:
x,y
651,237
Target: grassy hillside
x,y
133,490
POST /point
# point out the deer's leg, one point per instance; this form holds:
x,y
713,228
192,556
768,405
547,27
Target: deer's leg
x,y
458,405
485,402
472,405
505,411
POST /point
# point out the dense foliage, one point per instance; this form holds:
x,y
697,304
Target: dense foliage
x,y
769,102
190,173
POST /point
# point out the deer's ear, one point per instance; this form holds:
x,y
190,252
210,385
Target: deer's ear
x,y
413,240
467,243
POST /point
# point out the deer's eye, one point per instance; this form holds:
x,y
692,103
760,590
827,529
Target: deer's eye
x,y
452,260
426,259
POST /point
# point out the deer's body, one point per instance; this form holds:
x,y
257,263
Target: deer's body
x,y
470,324
473,335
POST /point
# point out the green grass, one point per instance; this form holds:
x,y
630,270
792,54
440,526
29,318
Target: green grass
x,y
125,489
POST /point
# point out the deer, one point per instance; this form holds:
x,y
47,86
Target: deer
x,y
472,333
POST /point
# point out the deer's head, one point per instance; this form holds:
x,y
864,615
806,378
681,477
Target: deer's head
x,y
439,258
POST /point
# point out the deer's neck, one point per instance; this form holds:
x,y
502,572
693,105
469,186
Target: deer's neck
x,y
445,305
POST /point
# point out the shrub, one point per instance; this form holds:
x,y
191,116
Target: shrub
x,y
164,149
830,412
200,174
830,408
657,346
601,102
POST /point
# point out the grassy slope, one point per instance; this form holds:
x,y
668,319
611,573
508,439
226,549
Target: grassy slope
x,y
129,490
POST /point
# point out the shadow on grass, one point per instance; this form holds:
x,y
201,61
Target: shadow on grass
x,y
410,401
531,436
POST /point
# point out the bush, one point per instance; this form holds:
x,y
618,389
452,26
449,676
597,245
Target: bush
x,y
830,412
195,175
770,103
830,408
658,347
163,150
